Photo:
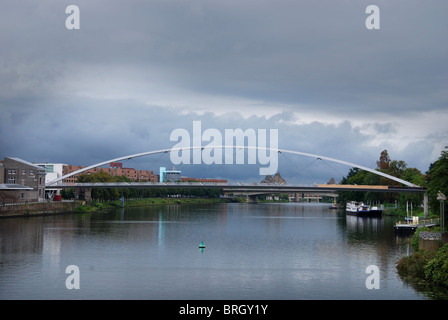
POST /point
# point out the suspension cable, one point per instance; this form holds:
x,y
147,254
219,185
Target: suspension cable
x,y
331,167
295,165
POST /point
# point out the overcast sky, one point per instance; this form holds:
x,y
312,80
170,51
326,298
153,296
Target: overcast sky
x,y
137,70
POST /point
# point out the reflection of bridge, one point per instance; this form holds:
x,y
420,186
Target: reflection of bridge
x,y
251,190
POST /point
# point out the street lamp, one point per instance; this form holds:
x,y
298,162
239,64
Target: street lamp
x,y
442,198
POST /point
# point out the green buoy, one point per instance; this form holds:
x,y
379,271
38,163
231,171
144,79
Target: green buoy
x,y
202,245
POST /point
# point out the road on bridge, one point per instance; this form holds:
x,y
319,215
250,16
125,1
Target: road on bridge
x,y
240,187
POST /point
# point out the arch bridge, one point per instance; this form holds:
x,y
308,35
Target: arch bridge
x,y
128,157
254,189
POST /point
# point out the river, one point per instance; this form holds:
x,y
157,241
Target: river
x,y
277,251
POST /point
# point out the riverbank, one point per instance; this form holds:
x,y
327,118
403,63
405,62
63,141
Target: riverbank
x,y
56,207
38,209
98,206
425,266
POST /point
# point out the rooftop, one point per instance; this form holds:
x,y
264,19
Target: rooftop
x,y
13,186
26,162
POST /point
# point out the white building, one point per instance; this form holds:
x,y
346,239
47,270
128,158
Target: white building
x,y
169,175
54,171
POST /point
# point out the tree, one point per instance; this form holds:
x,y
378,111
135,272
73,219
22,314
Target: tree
x,y
396,168
383,162
414,176
108,194
437,180
100,193
355,176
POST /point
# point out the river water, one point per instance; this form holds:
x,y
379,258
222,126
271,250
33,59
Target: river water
x,y
283,251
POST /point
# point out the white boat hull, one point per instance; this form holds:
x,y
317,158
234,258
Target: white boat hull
x,y
360,209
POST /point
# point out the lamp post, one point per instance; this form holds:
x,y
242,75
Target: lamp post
x,y
442,198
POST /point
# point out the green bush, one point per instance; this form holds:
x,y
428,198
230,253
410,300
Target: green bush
x,y
82,208
99,205
413,266
437,268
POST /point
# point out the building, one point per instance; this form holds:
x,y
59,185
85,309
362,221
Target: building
x,y
114,169
21,181
53,171
169,175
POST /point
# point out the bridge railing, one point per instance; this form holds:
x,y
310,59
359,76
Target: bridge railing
x,y
416,221
136,184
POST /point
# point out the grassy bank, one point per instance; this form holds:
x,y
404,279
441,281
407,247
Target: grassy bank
x,y
98,206
425,266
390,210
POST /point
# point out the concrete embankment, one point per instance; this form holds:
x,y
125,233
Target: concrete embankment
x,y
36,209
432,240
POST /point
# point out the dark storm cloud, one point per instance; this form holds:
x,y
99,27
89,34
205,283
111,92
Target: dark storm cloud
x,y
292,52
136,70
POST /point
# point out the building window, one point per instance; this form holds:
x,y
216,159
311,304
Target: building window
x,y
11,180
12,171
23,195
31,172
23,171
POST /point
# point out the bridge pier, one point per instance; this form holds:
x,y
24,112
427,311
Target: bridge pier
x,y
84,194
252,198
425,205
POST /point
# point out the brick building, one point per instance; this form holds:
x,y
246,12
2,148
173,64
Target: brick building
x,y
115,169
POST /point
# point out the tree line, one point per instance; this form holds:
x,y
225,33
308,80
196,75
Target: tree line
x,y
112,194
434,180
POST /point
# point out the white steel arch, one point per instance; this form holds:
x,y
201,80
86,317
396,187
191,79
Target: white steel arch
x,y
128,157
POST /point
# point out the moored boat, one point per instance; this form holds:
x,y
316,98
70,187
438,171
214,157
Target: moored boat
x,y
360,209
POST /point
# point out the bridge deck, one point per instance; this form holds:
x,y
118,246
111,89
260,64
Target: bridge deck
x,y
238,187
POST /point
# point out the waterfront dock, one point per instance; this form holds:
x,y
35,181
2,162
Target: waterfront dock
x,y
410,226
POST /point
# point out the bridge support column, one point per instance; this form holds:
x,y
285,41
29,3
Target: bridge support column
x,y
252,199
88,195
425,205
77,194
84,194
